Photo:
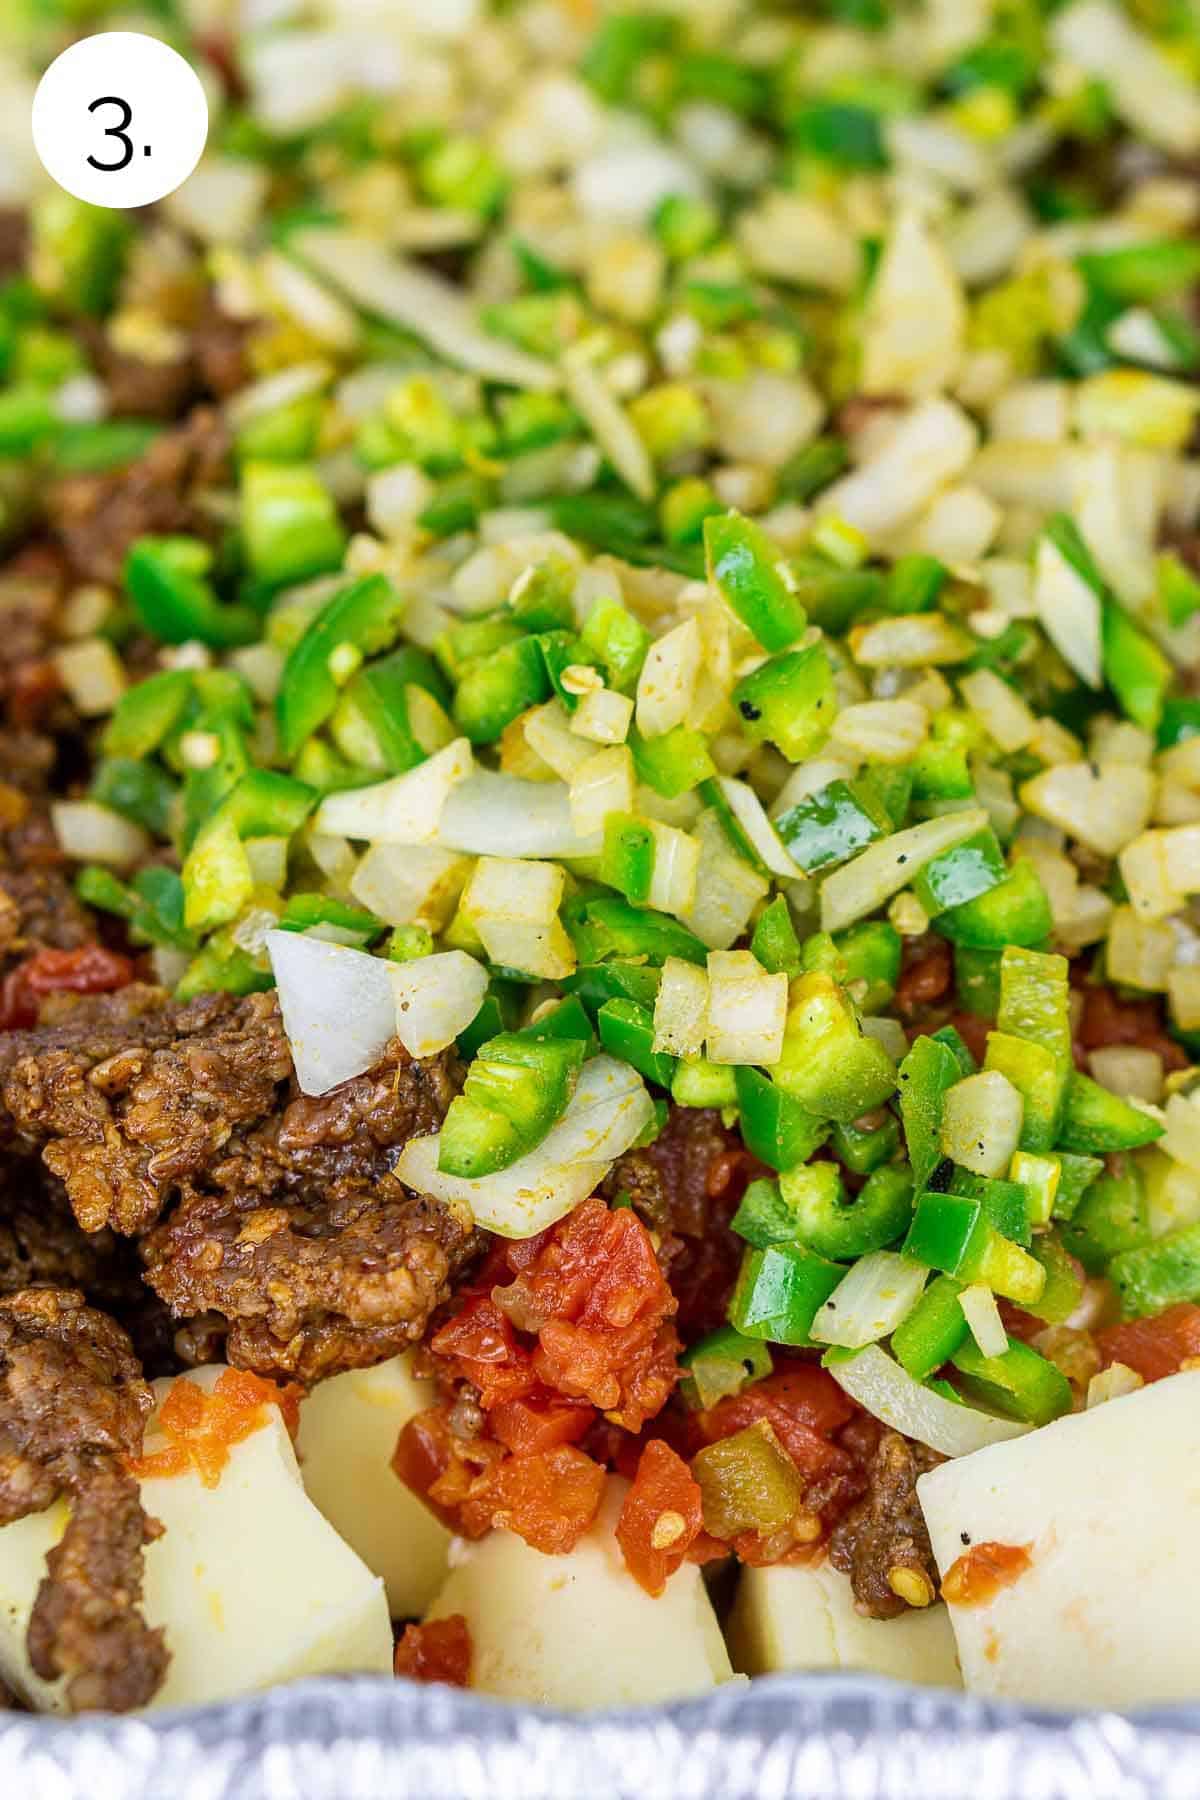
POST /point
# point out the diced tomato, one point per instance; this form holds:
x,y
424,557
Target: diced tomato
x,y
927,975
539,1421
89,970
549,1498
803,1404
438,1651
440,1468
483,1347
1153,1347
201,1426
981,1572
598,1301
661,1517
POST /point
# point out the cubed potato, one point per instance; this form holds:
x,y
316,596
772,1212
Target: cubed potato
x,y
1108,1504
253,1586
804,1618
577,1630
348,1431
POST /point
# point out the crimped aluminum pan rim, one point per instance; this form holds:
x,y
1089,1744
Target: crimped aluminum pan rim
x,y
789,1738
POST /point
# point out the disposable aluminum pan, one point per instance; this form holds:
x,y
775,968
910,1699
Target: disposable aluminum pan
x,y
789,1738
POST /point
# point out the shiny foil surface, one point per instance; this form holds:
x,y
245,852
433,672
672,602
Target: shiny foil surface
x,y
792,1737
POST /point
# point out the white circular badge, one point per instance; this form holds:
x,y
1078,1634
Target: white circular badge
x,y
120,119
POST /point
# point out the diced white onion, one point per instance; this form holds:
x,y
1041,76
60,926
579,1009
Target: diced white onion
x,y
436,998
547,731
1105,810
603,717
1149,92
884,868
747,1009
729,892
337,1005
888,1392
404,810
609,1109
929,447
1069,611
421,302
765,841
916,641
983,1316
267,857
914,332
681,1009
501,815
1113,1383
1129,1071
869,1303
88,832
981,1122
513,906
603,783
667,683
93,675
410,884
1001,711
675,873
612,429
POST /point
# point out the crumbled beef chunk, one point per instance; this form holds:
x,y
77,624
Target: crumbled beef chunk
x,y
686,1185
73,1405
287,1220
138,389
32,589
38,907
14,240
884,1536
218,346
97,517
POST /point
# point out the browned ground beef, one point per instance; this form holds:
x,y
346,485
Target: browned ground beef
x,y
287,1220
14,240
211,362
97,517
886,1531
38,907
73,1405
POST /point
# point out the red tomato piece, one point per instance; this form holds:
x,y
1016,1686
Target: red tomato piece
x,y
483,1347
549,1498
1154,1347
89,970
438,1651
661,1518
539,1421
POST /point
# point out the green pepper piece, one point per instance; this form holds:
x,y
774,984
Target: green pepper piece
x,y
303,911
1095,1121
356,622
1006,1203
379,693
1020,1383
865,1148
265,803
914,583
565,1019
627,1031
1135,668
836,822
810,470
1064,1284
217,882
953,1233
28,419
1178,590
159,918
147,713
870,955
828,1064
1015,911
674,763
617,641
78,251
744,566
166,578
516,1089
721,1365
470,641
789,701
775,943
136,788
286,434
497,1015
1180,721
977,980
1076,1175
1140,273
611,927
1158,1275
409,943
627,860
764,1217
100,888
496,689
541,601
596,983
926,1075
890,787
958,876
953,1040
779,1292
699,1082
776,1128
933,1330
1110,1219
221,968
290,524
841,1229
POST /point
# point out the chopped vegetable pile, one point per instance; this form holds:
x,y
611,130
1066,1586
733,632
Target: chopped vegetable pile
x,y
691,606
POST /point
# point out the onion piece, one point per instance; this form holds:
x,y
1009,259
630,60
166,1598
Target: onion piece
x,y
983,1316
436,998
609,1109
750,814
502,815
886,867
681,1009
870,1301
1069,612
747,1009
338,1008
885,1390
89,832
602,412
404,810
423,303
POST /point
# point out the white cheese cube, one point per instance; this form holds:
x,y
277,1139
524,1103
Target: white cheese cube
x,y
577,1630
1107,1503
348,1431
252,1585
805,1618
